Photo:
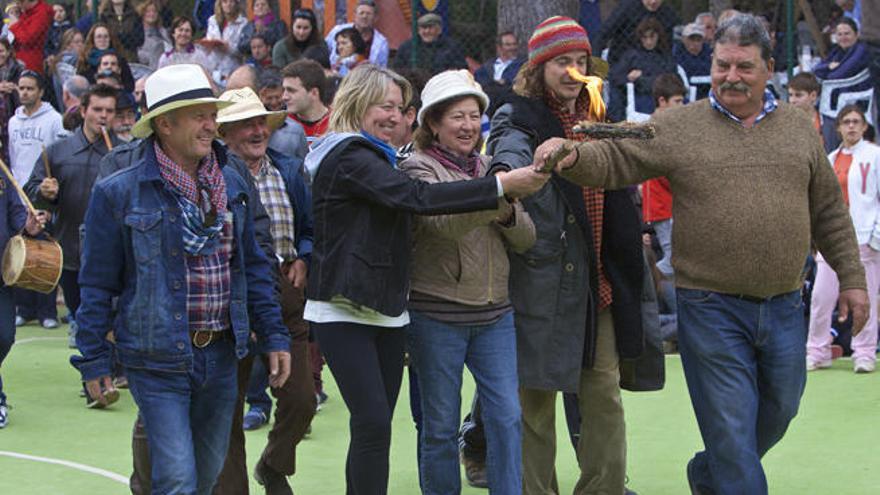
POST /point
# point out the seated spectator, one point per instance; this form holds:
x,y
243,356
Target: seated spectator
x,y
618,30
99,41
803,92
245,76
224,31
694,55
60,23
847,59
113,63
351,51
156,38
202,11
364,21
261,56
640,66
10,69
183,50
436,52
496,75
72,44
125,24
303,35
263,23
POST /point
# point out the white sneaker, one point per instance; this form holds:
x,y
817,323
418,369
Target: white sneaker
x,y
4,415
817,364
863,365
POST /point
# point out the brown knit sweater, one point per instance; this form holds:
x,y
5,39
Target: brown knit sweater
x,y
747,201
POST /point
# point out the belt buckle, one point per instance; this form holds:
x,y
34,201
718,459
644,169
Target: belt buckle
x,y
196,339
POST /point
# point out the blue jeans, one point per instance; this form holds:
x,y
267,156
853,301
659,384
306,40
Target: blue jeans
x,y
188,418
439,352
256,395
745,367
7,329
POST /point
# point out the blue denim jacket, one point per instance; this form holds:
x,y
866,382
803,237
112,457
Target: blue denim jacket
x,y
133,249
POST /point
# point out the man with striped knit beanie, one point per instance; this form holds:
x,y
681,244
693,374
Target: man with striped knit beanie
x,y
577,292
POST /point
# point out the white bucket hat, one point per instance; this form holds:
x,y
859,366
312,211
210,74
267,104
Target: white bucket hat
x,y
173,87
245,104
451,84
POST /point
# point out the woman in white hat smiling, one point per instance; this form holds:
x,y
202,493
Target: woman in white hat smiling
x,y
460,313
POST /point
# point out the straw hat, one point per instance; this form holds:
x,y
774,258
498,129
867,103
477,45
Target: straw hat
x,y
245,104
173,87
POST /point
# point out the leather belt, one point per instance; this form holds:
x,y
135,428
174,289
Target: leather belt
x,y
204,338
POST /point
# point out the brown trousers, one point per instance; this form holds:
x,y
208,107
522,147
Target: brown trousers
x,y
294,409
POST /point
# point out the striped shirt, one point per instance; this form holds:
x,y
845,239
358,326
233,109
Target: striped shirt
x,y
273,195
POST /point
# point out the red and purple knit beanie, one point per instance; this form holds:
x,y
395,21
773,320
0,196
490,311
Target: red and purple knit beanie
x,y
555,36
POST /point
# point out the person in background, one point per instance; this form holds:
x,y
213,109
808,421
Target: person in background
x,y
436,52
30,31
803,92
99,42
617,32
857,167
303,35
848,58
464,319
183,50
289,138
365,15
359,276
304,86
156,38
707,20
61,15
72,94
10,69
264,23
694,55
351,51
497,74
125,116
125,24
260,52
202,11
225,27
72,45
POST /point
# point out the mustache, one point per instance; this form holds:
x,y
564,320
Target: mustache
x,y
736,86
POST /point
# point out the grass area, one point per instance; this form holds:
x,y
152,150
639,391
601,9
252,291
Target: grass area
x,y
831,447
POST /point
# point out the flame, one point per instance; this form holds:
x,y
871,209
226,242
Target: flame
x,y
594,90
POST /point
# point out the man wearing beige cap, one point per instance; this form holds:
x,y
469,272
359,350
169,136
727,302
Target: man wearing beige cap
x,y
433,50
245,127
694,55
172,238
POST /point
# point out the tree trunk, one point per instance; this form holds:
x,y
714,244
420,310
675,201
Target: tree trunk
x,y
521,16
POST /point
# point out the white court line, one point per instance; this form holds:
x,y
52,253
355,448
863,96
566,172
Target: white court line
x,y
34,339
74,465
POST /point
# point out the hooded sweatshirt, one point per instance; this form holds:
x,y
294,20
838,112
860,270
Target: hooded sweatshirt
x,y
28,135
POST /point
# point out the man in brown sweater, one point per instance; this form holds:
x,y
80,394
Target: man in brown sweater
x,y
752,187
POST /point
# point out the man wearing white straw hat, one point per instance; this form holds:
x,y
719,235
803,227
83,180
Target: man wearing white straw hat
x,y
245,127
171,237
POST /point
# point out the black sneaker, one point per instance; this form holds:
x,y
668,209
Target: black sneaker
x,y
272,481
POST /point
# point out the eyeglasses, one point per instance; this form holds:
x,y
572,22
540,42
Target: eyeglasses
x,y
849,122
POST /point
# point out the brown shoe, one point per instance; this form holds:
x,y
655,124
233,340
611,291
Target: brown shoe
x,y
475,472
274,482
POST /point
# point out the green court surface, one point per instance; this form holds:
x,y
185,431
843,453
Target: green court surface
x,y
831,448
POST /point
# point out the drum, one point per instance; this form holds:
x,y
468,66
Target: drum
x,y
33,264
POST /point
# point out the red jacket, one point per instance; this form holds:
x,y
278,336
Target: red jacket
x,y
30,35
656,200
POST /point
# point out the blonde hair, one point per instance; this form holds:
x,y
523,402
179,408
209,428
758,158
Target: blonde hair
x,y
220,17
363,87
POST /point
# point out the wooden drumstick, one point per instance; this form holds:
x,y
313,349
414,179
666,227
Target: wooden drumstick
x,y
21,194
107,139
46,163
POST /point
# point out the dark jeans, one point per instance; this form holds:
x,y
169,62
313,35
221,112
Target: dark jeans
x,y
7,329
367,363
745,367
33,305
70,287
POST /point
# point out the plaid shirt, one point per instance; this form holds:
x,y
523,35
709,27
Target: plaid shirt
x,y
208,278
273,195
594,198
770,104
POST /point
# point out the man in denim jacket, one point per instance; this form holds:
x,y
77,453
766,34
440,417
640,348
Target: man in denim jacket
x,y
172,237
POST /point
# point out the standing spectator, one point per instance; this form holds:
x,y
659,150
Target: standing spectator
x,y
125,23
845,60
694,55
577,293
304,87
265,24
30,31
60,23
857,167
156,38
458,303
125,116
74,165
803,92
640,66
10,69
289,138
183,50
434,51
497,74
364,21
224,29
303,35
617,34
351,51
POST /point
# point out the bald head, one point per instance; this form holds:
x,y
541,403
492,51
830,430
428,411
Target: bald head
x,y
242,77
